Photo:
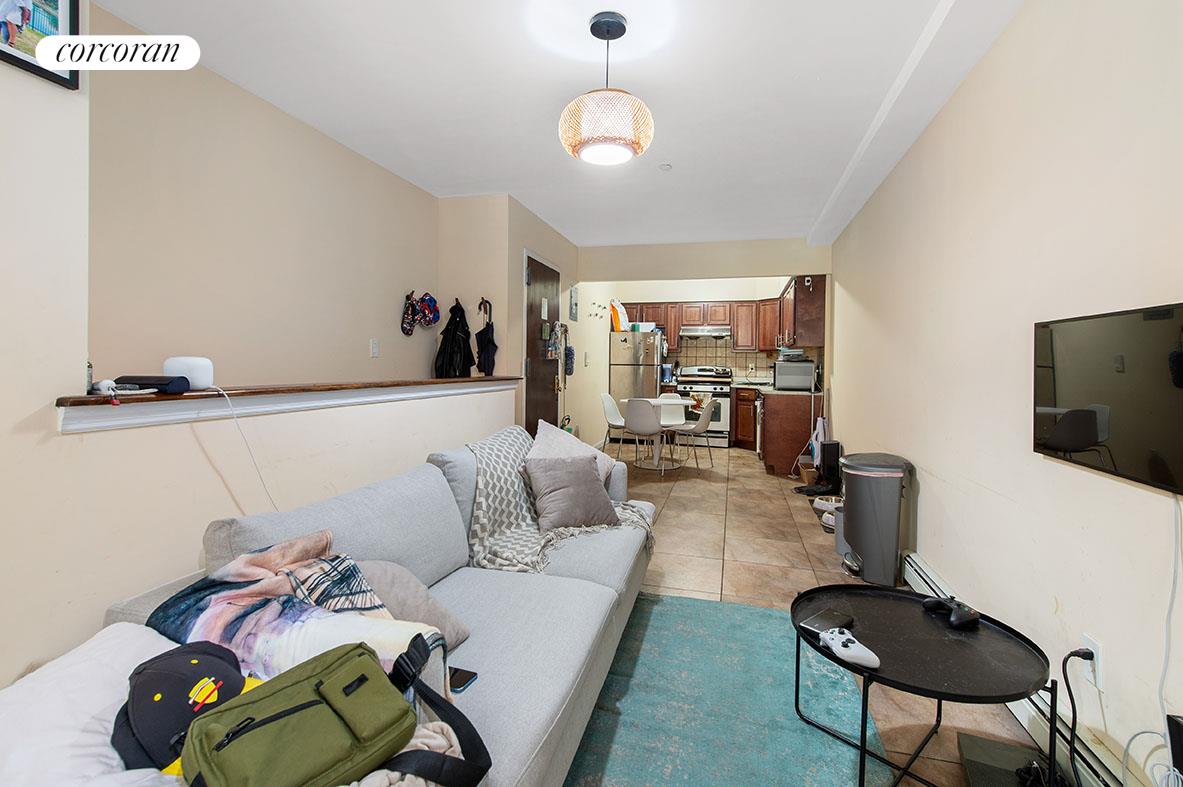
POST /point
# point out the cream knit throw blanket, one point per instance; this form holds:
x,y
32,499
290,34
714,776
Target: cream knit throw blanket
x,y
504,533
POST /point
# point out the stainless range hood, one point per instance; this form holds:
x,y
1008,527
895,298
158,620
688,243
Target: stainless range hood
x,y
713,331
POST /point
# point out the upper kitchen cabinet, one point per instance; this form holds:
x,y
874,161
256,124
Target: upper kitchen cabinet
x,y
788,313
767,324
810,302
743,325
634,312
694,314
803,312
653,312
718,314
673,325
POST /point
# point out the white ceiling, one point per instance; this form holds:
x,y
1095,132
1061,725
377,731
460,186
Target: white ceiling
x,y
780,117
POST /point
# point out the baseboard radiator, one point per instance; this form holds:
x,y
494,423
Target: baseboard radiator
x,y
1098,765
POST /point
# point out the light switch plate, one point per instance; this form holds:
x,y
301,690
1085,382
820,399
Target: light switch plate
x,y
374,350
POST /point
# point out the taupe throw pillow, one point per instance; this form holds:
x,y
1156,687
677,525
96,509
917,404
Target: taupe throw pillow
x,y
409,599
551,442
569,493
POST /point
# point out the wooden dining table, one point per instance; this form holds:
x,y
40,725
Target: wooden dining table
x,y
655,462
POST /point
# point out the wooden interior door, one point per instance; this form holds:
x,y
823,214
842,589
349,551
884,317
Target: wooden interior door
x,y
542,374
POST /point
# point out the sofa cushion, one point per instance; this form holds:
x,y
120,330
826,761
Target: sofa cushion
x,y
411,519
532,638
552,442
606,557
57,720
568,492
406,598
459,467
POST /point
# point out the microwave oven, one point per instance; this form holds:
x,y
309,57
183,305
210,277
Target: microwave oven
x,y
794,375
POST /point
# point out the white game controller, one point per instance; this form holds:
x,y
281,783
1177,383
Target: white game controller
x,y
846,647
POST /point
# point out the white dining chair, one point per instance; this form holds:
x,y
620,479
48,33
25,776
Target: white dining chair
x,y
615,421
641,419
672,414
696,429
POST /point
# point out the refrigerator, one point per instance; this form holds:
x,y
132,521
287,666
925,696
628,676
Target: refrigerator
x,y
634,364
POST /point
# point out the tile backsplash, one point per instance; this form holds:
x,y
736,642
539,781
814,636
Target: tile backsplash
x,y
709,351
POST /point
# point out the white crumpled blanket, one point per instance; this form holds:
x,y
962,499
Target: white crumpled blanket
x,y
433,736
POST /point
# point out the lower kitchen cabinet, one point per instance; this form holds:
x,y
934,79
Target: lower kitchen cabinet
x,y
788,422
743,417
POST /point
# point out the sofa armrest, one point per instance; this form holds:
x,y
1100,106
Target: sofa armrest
x,y
618,482
137,608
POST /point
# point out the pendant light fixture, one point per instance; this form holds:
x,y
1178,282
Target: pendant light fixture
x,y
607,126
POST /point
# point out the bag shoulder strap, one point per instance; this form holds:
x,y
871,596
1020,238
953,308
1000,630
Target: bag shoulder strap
x,y
435,767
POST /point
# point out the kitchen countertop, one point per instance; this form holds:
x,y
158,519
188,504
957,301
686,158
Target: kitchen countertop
x,y
765,387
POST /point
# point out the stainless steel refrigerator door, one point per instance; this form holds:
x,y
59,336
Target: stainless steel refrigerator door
x,y
632,382
627,347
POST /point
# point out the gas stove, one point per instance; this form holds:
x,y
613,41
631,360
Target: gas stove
x,y
704,374
702,383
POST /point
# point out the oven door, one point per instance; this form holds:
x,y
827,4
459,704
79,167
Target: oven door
x,y
720,420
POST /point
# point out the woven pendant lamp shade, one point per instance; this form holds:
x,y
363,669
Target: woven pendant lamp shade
x,y
606,126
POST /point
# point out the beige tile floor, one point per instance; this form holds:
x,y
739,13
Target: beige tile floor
x,y
735,534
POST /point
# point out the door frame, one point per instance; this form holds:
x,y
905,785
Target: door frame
x,y
528,255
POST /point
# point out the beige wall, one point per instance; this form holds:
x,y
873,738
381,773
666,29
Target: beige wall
x,y
529,234
677,261
1047,187
221,226
94,518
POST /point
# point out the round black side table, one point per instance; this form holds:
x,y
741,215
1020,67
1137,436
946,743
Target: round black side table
x,y
919,654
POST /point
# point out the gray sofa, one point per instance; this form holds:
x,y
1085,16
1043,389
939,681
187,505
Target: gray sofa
x,y
541,643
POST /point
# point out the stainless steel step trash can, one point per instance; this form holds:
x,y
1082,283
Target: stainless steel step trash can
x,y
875,487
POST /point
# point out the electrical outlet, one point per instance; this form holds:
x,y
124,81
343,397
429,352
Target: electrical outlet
x,y
1092,669
374,353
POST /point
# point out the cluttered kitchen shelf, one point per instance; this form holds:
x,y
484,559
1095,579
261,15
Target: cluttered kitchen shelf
x,y
95,413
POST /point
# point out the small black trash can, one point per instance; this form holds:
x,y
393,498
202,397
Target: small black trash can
x,y
875,486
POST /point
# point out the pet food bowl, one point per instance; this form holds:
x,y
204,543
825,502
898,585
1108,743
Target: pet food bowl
x,y
826,504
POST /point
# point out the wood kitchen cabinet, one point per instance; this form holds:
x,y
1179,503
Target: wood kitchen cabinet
x,y
673,325
767,324
788,312
694,314
788,422
718,314
803,312
810,321
743,326
653,312
634,312
743,417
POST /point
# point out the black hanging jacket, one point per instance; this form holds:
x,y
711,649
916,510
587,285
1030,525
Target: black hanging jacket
x,y
454,358
486,349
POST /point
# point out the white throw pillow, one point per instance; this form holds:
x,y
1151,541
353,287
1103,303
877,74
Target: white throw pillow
x,y
57,720
551,442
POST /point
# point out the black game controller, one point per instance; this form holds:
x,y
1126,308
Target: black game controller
x,y
961,616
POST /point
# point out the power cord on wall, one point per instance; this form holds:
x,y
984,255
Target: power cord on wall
x,y
1084,654
247,443
1164,774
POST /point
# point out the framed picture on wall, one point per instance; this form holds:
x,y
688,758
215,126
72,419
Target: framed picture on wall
x,y
25,22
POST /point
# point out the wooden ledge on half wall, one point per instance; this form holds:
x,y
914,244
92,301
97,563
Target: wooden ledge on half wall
x,y
78,414
130,397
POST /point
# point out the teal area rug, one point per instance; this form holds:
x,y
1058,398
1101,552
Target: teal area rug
x,y
701,693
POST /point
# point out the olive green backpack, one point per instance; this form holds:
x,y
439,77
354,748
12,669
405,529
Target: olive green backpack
x,y
330,721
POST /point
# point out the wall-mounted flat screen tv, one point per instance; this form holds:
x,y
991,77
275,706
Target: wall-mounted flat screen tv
x,y
1109,393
